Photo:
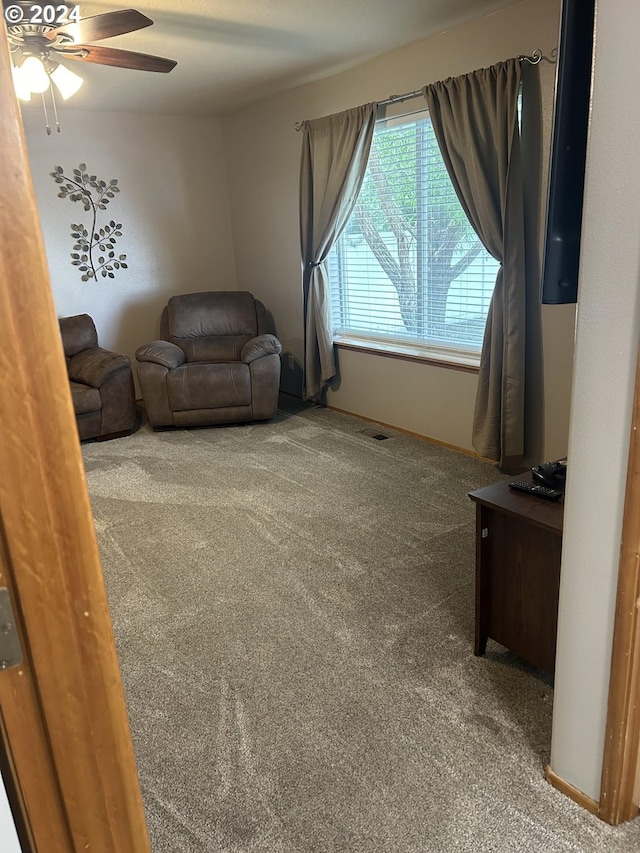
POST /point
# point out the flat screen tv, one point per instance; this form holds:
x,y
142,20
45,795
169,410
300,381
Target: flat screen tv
x,y
568,153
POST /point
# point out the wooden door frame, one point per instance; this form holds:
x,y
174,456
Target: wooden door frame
x,y
618,793
64,731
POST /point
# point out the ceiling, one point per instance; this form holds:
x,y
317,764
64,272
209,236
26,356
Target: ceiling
x,y
233,52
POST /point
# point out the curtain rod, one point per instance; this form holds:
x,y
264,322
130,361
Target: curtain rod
x,y
536,57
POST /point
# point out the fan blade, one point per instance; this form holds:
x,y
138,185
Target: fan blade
x,y
103,26
119,58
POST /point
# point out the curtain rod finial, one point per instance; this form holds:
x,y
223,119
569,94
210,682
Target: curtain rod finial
x,y
537,56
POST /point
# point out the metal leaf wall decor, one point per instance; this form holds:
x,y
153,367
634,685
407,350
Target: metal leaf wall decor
x,y
94,195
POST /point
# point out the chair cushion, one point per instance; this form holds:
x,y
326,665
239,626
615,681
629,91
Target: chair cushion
x,y
95,366
209,386
212,326
163,353
259,347
213,348
78,333
85,399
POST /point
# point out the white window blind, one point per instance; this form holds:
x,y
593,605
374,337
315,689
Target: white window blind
x,y
409,270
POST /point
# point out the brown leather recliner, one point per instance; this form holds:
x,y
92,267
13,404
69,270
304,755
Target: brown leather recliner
x,y
215,363
101,382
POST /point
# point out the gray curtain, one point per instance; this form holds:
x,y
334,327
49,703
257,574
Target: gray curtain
x,y
475,119
335,150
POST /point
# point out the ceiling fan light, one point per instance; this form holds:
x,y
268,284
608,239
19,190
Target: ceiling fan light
x,y
33,73
20,84
67,83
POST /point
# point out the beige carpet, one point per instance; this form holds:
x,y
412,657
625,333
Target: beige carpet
x,y
293,609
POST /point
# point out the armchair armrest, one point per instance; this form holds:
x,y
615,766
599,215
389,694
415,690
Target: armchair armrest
x,y
259,347
161,352
94,366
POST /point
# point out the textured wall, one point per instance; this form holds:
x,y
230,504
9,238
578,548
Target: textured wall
x,y
606,350
263,155
173,206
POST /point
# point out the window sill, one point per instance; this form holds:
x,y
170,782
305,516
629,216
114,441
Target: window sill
x,y
466,362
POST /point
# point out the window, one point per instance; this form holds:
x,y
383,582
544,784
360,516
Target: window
x,y
408,272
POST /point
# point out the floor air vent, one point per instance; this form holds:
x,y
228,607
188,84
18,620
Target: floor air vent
x,y
372,433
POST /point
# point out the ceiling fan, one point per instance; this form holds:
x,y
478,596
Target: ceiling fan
x,y
41,34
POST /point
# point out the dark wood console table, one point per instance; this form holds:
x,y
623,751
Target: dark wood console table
x,y
518,546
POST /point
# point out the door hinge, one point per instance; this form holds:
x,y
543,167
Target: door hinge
x,y
10,649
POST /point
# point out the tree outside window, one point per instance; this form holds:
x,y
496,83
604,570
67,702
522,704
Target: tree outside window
x,y
409,265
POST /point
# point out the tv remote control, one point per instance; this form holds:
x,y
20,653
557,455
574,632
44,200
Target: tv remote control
x,y
536,489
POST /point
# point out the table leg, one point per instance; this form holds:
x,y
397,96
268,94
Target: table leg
x,y
482,579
